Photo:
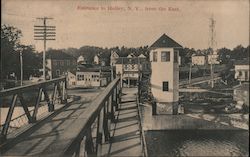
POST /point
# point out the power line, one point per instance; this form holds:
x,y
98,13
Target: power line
x,y
44,33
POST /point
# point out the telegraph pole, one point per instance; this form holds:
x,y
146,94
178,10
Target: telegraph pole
x,y
44,32
212,45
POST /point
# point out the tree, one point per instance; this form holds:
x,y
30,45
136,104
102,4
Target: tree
x,y
10,54
10,40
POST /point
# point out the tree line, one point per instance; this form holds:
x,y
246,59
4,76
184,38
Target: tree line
x,y
11,48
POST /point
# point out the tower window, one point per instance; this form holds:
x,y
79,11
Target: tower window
x,y
165,56
176,54
155,56
165,86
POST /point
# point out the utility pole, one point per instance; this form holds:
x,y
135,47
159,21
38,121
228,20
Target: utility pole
x,y
44,32
21,62
190,74
212,46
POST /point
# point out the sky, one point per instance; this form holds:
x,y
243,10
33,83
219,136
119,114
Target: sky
x,y
131,23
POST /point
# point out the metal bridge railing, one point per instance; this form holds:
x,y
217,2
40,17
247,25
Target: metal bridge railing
x,y
30,116
96,129
142,135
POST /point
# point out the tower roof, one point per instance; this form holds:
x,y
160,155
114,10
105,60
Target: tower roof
x,y
165,42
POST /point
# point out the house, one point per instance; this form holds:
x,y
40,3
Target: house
x,y
164,54
113,58
141,56
101,59
71,78
213,59
130,68
59,63
198,60
96,59
81,60
241,93
242,70
92,76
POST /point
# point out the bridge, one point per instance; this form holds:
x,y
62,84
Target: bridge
x,y
85,122
106,123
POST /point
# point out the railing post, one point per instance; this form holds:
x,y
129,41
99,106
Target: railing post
x,y
105,121
56,87
37,105
51,107
8,118
118,95
64,95
89,145
25,108
99,133
115,99
113,104
154,107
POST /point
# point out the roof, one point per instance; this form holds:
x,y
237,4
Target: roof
x,y
135,60
199,55
58,54
165,42
92,68
141,56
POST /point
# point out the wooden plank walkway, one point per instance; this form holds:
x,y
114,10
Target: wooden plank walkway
x,y
125,135
51,136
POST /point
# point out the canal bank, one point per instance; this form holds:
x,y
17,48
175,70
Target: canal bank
x,y
195,134
193,121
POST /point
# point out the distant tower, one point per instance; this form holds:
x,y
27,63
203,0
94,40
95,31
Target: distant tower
x,y
164,54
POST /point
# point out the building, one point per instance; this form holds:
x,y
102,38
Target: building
x,y
71,78
88,75
81,60
130,68
164,54
113,58
96,59
241,93
198,60
59,63
101,59
242,70
213,58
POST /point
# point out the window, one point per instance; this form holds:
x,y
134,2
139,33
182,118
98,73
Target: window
x,y
126,67
176,55
61,62
80,77
165,56
155,56
240,73
68,62
133,66
55,62
165,86
58,72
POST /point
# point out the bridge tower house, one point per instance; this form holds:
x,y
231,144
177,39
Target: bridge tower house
x,y
164,54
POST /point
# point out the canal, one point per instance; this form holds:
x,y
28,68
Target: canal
x,y
197,142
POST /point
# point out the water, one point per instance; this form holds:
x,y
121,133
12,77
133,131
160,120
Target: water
x,y
198,143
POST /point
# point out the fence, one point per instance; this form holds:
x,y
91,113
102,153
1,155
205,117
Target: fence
x,y
59,92
96,128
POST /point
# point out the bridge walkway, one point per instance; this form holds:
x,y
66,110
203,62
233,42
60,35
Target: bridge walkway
x,y
53,134
126,140
50,136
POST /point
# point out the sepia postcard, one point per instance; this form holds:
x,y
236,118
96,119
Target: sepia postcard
x,y
124,78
